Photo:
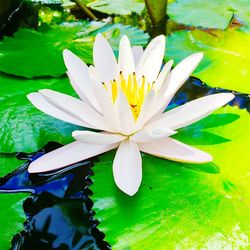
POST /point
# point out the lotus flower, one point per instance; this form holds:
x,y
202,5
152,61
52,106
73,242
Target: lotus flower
x,y
123,103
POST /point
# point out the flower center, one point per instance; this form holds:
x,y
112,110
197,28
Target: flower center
x,y
135,89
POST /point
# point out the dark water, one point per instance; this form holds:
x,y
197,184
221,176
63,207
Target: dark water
x,y
58,210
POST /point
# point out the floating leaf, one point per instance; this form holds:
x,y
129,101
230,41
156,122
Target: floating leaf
x,y
23,127
39,53
208,14
175,205
226,61
121,7
12,217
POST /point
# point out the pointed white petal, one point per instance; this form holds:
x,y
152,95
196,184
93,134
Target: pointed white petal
x,y
43,105
77,89
125,60
151,60
191,112
149,135
69,154
124,114
146,110
76,108
107,106
181,73
176,151
79,77
127,167
104,60
97,138
162,78
137,53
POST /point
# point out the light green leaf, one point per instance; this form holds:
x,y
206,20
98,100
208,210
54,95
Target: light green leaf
x,y
205,14
209,14
226,60
241,10
23,127
120,7
39,53
180,208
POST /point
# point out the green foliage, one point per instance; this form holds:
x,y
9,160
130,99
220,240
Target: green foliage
x,y
11,213
12,217
209,14
225,62
39,53
121,7
23,127
177,208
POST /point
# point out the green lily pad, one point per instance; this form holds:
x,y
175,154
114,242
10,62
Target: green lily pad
x,y
180,208
226,61
12,217
23,127
208,14
11,213
121,7
39,53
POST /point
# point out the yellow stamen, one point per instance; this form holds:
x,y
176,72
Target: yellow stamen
x,y
133,88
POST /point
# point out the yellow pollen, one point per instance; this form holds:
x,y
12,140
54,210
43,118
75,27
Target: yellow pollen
x,y
133,88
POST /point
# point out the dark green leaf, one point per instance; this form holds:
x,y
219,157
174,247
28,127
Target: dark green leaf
x,y
39,53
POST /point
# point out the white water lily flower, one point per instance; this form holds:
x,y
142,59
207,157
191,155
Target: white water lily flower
x,y
125,100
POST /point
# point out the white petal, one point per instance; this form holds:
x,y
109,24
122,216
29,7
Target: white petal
x,y
79,77
107,107
181,73
76,108
127,167
124,114
151,61
42,104
146,110
69,154
162,78
97,138
77,89
148,135
176,151
104,60
137,53
191,112
125,60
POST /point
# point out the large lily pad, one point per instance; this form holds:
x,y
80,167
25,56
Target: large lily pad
x,y
175,205
121,7
226,61
209,14
39,53
23,127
